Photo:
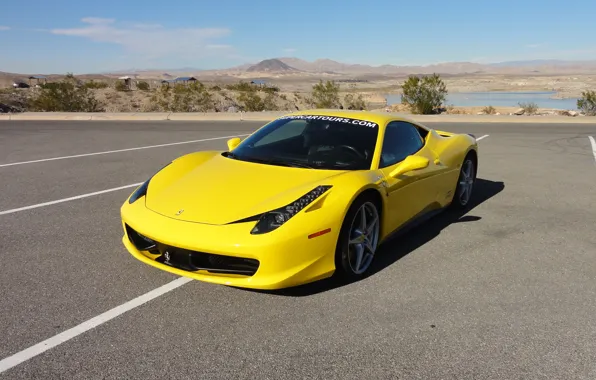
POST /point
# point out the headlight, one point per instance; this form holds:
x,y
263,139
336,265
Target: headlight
x,y
140,192
271,220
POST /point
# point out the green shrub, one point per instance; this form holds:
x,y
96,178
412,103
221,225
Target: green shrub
x,y
241,86
95,85
193,97
143,86
424,95
121,86
529,108
271,89
65,96
587,103
325,95
253,102
354,102
490,110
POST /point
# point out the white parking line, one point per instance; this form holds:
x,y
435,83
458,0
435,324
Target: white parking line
x,y
481,137
593,142
28,353
119,150
68,199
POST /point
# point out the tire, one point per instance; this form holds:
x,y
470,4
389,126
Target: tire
x,y
465,182
346,256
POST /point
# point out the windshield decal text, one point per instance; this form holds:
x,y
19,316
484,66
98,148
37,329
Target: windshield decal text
x,y
364,123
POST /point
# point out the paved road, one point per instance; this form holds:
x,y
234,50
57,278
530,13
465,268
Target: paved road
x,y
506,291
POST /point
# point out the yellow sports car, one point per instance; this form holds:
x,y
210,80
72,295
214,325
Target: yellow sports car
x,y
306,196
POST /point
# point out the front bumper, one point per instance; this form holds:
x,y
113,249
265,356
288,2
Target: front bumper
x,y
229,254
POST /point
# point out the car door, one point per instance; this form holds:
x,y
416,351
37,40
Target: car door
x,y
412,192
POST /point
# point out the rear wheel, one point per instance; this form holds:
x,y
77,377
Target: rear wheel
x,y
465,183
358,239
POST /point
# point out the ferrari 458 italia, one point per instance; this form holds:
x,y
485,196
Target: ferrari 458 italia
x,y
309,195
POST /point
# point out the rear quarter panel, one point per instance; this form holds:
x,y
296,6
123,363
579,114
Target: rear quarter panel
x,y
451,148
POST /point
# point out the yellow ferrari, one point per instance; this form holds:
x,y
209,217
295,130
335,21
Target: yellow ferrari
x,y
308,195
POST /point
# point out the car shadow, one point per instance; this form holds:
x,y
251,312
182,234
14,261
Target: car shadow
x,y
405,242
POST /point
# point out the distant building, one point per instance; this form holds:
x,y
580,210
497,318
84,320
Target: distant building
x,y
184,80
38,78
127,81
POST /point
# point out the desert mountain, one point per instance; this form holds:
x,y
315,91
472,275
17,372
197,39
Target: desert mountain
x,y
293,66
271,65
454,68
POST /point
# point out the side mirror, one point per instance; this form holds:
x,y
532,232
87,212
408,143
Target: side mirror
x,y
409,164
233,143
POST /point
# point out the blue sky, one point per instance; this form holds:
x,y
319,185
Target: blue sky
x,y
45,36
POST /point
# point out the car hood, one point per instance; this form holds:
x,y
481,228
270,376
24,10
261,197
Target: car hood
x,y
213,189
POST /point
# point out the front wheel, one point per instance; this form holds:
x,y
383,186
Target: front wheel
x,y
465,184
358,240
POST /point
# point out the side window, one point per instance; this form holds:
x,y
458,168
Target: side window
x,y
288,130
401,140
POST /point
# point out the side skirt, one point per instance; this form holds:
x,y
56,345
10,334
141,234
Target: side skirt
x,y
416,221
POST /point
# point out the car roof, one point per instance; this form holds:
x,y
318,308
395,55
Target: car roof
x,y
381,118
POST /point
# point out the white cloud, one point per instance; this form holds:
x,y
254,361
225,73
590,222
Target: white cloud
x,y
2,27
290,50
151,40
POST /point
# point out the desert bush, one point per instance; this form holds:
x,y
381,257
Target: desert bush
x,y
120,86
65,96
271,89
424,95
450,109
95,85
587,103
241,86
325,95
489,110
143,86
352,102
253,102
193,97
529,108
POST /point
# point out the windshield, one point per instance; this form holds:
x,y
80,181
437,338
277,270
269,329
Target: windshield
x,y
320,142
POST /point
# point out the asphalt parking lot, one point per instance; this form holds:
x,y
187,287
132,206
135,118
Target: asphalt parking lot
x,y
505,291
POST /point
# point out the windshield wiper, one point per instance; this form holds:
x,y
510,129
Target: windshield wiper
x,y
273,161
296,164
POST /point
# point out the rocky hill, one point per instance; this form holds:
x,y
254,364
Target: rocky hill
x,y
453,68
272,65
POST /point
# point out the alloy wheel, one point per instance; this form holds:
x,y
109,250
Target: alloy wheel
x,y
363,238
466,182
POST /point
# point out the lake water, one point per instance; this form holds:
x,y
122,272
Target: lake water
x,y
501,99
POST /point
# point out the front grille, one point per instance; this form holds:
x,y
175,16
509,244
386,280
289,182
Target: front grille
x,y
142,243
193,260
